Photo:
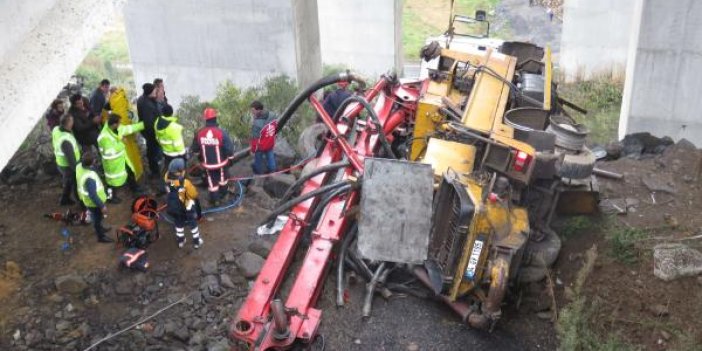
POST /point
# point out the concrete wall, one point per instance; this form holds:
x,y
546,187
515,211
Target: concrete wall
x,y
595,38
664,71
365,35
194,45
42,44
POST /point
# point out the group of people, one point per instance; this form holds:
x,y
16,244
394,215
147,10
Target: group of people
x,y
97,135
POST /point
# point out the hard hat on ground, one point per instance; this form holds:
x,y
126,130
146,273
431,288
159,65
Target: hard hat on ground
x,y
209,113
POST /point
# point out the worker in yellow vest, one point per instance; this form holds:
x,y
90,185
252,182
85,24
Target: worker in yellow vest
x,y
117,166
67,156
169,134
91,192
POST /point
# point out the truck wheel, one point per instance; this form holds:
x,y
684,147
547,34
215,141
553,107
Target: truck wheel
x,y
543,253
311,139
569,134
577,166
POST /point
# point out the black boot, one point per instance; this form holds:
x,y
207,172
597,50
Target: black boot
x,y
105,239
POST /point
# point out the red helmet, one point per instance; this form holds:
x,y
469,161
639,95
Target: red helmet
x,y
209,113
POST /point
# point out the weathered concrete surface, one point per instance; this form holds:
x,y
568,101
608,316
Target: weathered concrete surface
x,y
364,35
595,38
664,70
42,44
196,45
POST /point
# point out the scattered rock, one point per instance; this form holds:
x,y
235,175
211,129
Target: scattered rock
x,y
666,336
209,267
70,284
226,281
17,335
182,334
249,264
210,286
412,346
671,261
197,339
261,247
63,325
684,144
655,183
124,287
277,184
614,150
658,310
229,257
546,315
261,197
218,345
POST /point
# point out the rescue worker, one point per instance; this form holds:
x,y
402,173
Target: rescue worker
x,y
86,125
92,194
263,138
67,156
147,108
117,166
215,148
182,203
53,115
335,98
169,134
99,97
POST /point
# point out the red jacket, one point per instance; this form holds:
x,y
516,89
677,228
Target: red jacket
x,y
266,139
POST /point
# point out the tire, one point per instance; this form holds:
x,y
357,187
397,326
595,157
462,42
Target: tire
x,y
543,253
311,139
569,134
577,166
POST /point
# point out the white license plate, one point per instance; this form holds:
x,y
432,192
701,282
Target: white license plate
x,y
474,258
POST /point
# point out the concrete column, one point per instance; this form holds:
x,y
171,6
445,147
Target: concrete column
x,y
595,38
43,43
195,45
365,35
664,71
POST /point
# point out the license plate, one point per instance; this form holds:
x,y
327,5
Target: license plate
x,y
474,258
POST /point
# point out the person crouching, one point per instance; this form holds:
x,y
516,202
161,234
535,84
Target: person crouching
x,y
182,203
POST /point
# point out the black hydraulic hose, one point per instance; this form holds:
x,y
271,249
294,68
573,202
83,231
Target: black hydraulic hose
x,y
326,168
370,290
340,265
301,97
364,270
291,203
319,208
372,114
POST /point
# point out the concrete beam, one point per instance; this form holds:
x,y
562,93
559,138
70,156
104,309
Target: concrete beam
x,y
595,38
364,35
195,45
664,70
43,43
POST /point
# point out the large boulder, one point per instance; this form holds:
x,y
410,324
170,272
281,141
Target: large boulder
x,y
672,261
277,184
71,284
285,154
249,264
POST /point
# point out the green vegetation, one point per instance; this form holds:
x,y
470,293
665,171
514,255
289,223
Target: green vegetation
x,y
233,106
423,19
109,59
602,98
576,225
578,319
623,242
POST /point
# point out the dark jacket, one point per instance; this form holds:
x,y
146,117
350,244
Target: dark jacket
x,y
147,108
260,122
334,100
91,187
84,129
97,102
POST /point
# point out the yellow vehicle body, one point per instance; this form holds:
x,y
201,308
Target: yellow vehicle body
x,y
497,229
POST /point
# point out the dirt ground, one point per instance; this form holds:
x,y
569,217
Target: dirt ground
x,y
627,302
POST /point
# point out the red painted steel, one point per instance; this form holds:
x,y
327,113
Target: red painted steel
x,y
253,324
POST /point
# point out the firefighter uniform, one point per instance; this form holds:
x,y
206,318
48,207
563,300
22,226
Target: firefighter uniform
x,y
215,148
